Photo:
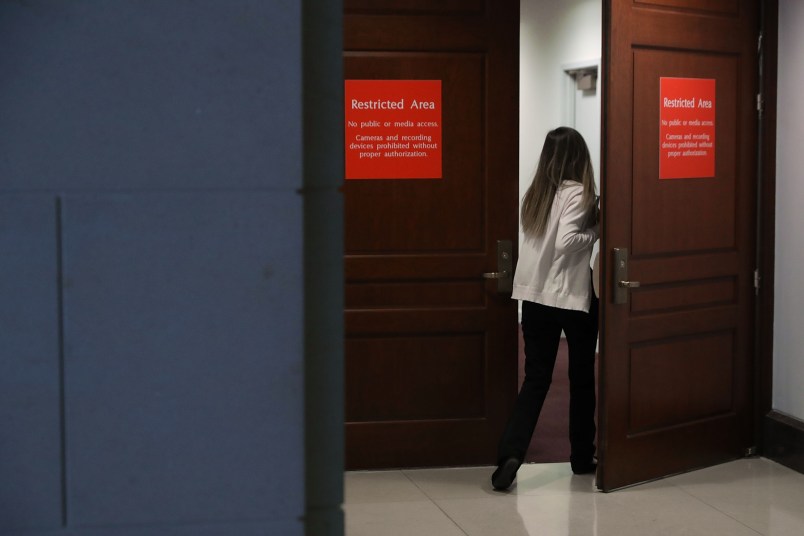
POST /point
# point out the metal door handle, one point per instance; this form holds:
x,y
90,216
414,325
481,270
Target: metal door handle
x,y
621,282
505,267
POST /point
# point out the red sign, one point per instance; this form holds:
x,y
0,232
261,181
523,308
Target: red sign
x,y
393,129
687,129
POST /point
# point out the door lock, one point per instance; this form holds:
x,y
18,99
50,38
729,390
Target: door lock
x,y
505,268
622,284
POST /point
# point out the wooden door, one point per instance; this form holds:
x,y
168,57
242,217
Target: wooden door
x,y
676,364
430,345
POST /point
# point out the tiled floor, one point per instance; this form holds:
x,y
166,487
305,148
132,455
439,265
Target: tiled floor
x,y
742,498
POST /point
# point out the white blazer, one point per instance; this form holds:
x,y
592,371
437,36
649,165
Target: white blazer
x,y
553,269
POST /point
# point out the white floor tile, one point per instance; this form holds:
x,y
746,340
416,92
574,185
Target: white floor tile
x,y
421,518
661,508
453,483
743,498
659,512
551,478
475,482
380,487
520,515
763,495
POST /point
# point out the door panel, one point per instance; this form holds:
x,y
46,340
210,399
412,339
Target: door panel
x,y
676,365
703,225
725,7
430,345
455,363
425,215
452,7
31,449
677,381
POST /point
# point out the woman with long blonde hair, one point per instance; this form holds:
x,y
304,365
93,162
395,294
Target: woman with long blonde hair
x,y
560,222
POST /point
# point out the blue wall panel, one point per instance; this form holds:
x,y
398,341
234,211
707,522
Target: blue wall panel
x,y
183,357
171,130
286,528
150,94
30,437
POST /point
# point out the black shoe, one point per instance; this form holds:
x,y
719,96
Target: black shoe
x,y
505,474
585,468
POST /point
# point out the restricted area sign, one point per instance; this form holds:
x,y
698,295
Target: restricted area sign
x,y
393,129
687,129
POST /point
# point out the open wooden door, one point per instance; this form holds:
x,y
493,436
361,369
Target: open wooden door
x,y
430,344
680,123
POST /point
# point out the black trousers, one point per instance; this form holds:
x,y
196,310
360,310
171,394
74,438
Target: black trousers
x,y
541,328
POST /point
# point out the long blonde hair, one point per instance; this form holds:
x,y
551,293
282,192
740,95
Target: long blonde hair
x,y
565,157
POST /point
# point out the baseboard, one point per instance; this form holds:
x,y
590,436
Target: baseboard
x,y
784,440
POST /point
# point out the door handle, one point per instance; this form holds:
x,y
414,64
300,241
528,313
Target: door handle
x,y
505,267
622,283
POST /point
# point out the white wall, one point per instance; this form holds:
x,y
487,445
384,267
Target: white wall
x,y
788,338
552,34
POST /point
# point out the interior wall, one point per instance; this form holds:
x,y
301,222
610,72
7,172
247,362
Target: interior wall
x,y
788,339
587,119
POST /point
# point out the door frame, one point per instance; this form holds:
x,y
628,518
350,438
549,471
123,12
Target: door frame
x,y
767,204
766,243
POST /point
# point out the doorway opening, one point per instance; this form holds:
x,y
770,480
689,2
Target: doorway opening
x,y
560,85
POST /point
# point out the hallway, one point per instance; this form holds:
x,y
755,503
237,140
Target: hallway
x,y
746,497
